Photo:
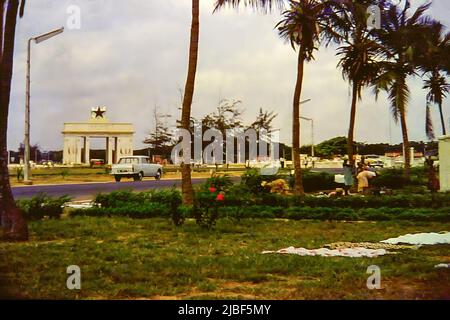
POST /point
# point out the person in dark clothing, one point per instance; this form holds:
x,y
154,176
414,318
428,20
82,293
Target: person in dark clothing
x,y
433,180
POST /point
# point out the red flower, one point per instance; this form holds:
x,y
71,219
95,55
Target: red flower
x,y
212,189
220,197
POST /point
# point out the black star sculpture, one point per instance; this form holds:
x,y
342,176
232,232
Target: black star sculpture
x,y
99,113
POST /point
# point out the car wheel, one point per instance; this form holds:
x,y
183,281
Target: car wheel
x,y
158,175
138,177
117,178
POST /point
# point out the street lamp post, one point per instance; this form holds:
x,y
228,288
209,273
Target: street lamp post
x,y
301,102
312,134
37,40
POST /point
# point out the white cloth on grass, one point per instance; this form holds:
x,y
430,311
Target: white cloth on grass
x,y
324,252
421,238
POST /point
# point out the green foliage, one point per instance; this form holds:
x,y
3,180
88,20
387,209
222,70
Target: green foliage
x,y
143,203
209,197
220,182
131,210
253,180
180,215
316,181
395,178
312,181
332,147
42,206
393,201
238,202
19,174
206,206
65,172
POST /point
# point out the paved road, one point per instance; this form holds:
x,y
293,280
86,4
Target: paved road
x,y
84,191
87,190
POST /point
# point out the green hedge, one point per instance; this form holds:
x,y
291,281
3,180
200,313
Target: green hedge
x,y
312,181
132,210
389,201
42,206
294,213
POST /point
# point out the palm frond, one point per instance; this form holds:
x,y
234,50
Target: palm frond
x,y
398,96
263,5
437,87
300,26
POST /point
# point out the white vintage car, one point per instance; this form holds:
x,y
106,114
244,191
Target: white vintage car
x,y
136,167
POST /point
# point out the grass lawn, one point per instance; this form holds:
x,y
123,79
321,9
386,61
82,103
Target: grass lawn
x,y
122,258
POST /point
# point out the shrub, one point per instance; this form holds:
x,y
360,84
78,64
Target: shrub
x,y
41,206
395,178
220,182
180,215
132,210
358,202
273,199
316,181
206,206
143,203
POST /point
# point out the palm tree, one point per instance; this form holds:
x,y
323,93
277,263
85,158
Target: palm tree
x,y
12,221
346,24
300,27
400,36
431,59
186,183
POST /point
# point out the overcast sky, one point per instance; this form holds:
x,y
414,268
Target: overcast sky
x,y
132,55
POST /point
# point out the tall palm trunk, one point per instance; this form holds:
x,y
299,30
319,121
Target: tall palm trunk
x,y
298,187
444,132
405,143
186,184
12,221
2,12
351,128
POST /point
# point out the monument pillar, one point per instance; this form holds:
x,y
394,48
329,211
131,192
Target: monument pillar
x,y
78,150
109,150
87,153
444,163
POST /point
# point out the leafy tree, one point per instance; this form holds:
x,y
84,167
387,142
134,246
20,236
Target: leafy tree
x,y
264,120
161,137
227,116
333,147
